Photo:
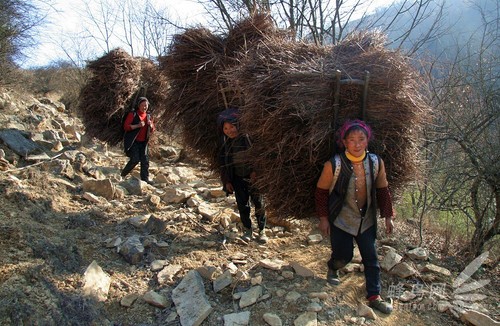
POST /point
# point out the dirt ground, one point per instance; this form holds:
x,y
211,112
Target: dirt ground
x,y
49,234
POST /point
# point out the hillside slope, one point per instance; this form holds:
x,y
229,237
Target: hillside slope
x,y
52,227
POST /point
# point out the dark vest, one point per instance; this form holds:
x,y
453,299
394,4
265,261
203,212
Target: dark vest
x,y
228,167
337,196
129,136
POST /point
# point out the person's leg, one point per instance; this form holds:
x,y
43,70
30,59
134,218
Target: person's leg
x,y
133,161
144,159
260,213
342,252
260,208
241,192
368,251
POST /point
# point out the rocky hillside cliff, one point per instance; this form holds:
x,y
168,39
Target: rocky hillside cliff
x,y
81,246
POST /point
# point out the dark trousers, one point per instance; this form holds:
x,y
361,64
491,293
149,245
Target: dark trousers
x,y
244,192
342,253
138,153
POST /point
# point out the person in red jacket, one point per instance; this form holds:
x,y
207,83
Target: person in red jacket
x,y
138,127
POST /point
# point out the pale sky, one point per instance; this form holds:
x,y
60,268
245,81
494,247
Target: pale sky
x,y
66,17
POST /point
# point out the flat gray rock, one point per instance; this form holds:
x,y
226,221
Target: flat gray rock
x,y
17,141
190,300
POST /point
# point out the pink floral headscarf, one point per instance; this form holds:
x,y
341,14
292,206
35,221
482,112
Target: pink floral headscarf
x,y
348,126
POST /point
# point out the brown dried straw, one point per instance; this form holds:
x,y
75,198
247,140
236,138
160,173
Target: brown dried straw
x,y
117,80
285,91
286,94
289,113
195,67
115,77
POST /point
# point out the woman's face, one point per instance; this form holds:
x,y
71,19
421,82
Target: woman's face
x,y
356,142
230,130
143,106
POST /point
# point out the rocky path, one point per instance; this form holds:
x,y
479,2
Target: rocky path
x,y
81,246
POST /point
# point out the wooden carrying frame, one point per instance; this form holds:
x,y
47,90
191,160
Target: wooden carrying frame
x,y
350,81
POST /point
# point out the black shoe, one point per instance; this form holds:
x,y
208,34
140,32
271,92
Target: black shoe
x,y
263,237
247,235
381,305
332,276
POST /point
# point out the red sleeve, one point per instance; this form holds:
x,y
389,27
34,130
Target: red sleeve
x,y
128,122
384,202
321,199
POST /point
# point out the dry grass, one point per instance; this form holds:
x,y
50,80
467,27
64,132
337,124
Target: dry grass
x,y
195,67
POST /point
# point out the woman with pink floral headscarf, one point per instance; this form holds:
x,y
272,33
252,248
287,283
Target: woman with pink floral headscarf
x,y
352,187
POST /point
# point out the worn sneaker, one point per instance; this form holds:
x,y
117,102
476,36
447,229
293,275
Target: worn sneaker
x,y
262,236
332,276
247,235
381,305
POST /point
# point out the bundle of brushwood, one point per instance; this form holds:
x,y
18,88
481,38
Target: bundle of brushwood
x,y
117,80
195,66
153,85
291,115
292,97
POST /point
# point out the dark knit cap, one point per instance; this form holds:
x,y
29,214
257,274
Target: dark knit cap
x,y
230,115
141,99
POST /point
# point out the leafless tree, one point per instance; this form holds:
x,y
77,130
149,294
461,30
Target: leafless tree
x,y
465,175
103,23
129,21
142,29
19,23
330,21
156,29
225,13
411,24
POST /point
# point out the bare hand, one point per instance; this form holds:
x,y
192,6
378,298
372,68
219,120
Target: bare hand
x,y
389,226
142,124
324,226
229,187
253,177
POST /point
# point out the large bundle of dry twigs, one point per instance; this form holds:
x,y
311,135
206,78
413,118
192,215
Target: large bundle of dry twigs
x,y
195,67
195,60
117,80
286,92
291,115
153,85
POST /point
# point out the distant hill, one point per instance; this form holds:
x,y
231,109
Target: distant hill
x,y
461,23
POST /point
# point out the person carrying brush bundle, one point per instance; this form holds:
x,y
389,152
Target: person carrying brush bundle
x,y
238,177
138,127
352,186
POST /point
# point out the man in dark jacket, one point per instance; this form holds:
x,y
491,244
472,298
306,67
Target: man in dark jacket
x,y
237,177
